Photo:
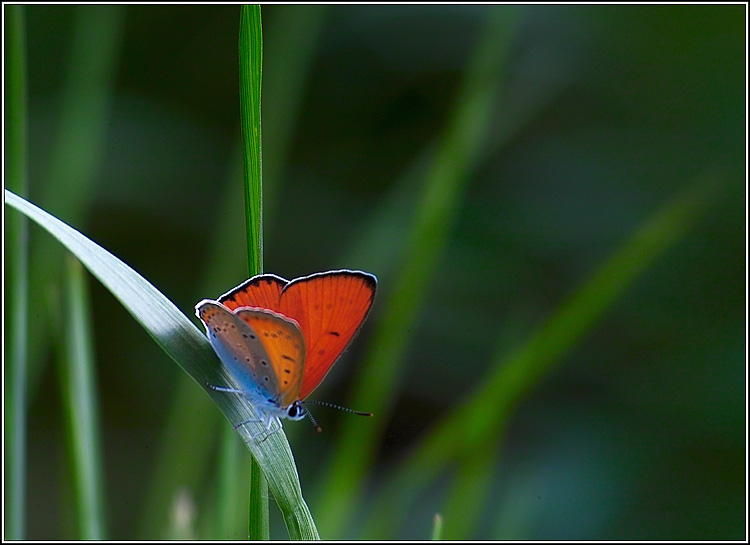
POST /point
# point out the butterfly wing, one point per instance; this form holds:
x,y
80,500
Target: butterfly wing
x,y
283,342
241,349
329,308
262,291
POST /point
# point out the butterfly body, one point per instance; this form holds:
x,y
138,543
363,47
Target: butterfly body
x,y
279,338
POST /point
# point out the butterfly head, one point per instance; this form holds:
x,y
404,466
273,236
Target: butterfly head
x,y
296,411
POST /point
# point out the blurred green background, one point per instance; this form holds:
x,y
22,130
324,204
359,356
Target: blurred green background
x,y
602,115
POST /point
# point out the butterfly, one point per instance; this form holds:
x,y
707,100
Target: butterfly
x,y
279,338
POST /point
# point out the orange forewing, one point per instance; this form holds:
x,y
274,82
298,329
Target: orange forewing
x,y
329,308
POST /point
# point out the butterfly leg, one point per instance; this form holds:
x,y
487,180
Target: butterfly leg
x,y
267,418
223,389
261,432
232,391
252,420
263,418
268,432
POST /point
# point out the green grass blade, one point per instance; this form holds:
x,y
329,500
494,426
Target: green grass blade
x,y
259,517
251,74
292,62
80,403
189,348
251,77
16,271
480,421
456,156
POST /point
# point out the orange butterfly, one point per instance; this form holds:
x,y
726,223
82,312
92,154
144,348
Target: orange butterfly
x,y
279,338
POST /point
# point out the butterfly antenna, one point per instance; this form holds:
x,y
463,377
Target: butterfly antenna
x,y
314,423
334,406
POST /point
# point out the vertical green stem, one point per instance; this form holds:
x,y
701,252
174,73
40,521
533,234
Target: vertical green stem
x,y
16,305
258,520
81,405
230,491
251,62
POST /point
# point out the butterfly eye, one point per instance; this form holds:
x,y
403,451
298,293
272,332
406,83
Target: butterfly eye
x,y
295,411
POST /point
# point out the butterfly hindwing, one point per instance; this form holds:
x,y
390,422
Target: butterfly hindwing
x,y
283,342
240,348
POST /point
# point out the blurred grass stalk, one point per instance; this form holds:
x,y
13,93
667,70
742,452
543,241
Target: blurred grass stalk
x,y
232,490
437,527
77,367
72,170
456,157
73,166
78,148
16,271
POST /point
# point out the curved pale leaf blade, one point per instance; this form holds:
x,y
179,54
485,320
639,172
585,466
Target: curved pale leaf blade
x,y
186,344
